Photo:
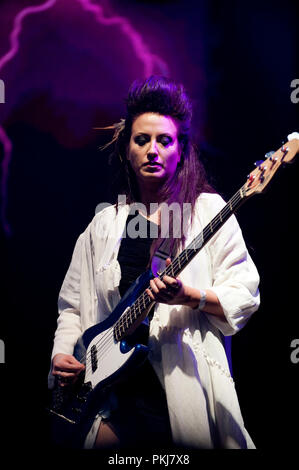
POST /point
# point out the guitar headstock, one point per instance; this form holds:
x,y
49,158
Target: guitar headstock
x,y
259,178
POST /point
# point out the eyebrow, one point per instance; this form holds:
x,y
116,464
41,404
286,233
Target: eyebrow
x,y
163,134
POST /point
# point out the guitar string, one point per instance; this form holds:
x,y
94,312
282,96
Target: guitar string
x,y
208,230
105,338
104,352
105,343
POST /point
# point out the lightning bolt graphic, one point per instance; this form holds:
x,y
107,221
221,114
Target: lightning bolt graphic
x,y
6,142
149,60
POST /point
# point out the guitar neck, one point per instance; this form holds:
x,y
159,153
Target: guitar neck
x,y
133,314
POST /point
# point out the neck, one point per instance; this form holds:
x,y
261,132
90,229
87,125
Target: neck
x,y
150,195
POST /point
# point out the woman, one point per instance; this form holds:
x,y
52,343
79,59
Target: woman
x,y
184,394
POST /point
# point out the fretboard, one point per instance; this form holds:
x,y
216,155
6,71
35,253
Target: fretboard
x,y
143,302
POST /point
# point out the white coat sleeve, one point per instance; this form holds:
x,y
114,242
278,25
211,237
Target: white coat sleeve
x,y
235,277
69,323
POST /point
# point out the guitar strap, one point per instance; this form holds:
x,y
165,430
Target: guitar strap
x,y
158,264
159,258
164,251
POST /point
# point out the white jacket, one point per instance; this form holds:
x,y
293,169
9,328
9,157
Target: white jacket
x,y
187,346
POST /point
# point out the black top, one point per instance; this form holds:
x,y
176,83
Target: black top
x,y
134,253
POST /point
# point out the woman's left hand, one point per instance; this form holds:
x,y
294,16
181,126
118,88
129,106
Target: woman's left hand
x,y
169,290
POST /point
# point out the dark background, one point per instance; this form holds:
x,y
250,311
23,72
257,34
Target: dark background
x,y
71,73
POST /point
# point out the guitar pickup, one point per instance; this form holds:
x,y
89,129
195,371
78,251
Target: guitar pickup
x,y
94,357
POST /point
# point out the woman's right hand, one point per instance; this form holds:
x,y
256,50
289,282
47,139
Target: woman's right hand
x,y
66,368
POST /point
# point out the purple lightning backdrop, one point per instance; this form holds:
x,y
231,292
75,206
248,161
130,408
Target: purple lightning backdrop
x,y
66,66
79,26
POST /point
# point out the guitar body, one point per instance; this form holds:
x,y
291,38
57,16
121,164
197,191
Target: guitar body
x,y
107,361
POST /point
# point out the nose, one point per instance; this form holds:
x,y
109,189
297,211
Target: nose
x,y
152,151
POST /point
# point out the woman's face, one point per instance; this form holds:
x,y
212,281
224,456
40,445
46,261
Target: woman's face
x,y
154,150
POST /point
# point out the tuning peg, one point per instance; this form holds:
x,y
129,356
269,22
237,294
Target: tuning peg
x,y
284,149
250,178
259,162
269,155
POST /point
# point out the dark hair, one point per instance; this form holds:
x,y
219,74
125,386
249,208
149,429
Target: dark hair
x,y
163,96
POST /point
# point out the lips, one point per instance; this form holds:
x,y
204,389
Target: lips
x,y
152,164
